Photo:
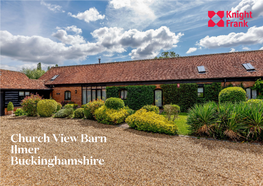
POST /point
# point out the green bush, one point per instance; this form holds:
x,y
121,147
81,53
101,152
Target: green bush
x,y
152,108
63,113
78,113
114,103
236,121
10,106
232,94
201,118
171,110
46,107
130,111
71,105
151,122
255,101
185,96
59,106
89,108
260,97
110,116
137,96
20,112
29,104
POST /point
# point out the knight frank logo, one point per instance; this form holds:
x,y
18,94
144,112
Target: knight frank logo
x,y
229,15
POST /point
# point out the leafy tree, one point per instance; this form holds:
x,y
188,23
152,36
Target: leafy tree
x,y
170,54
33,73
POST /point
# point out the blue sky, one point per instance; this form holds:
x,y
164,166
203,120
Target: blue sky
x,y
80,32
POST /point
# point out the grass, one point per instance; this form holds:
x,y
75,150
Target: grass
x,y
183,128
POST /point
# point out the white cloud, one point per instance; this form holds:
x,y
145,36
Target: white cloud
x,y
89,15
146,44
63,36
192,49
233,50
261,48
255,6
246,48
254,35
54,8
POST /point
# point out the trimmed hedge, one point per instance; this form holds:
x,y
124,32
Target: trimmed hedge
x,y
137,96
78,113
152,108
185,96
46,107
63,113
20,112
232,94
111,116
71,105
90,108
211,92
114,103
10,106
151,122
59,106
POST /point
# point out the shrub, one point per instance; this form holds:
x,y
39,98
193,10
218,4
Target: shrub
x,y
71,105
111,116
20,112
59,106
232,94
114,103
130,111
78,113
29,104
255,101
90,108
152,108
202,117
151,122
63,113
260,96
137,96
46,107
171,110
10,106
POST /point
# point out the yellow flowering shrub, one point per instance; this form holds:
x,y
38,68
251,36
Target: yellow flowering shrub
x,y
151,122
110,116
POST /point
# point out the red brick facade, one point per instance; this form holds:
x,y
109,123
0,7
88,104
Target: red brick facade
x,y
59,96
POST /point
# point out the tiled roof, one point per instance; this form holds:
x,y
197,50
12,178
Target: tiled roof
x,y
225,65
18,80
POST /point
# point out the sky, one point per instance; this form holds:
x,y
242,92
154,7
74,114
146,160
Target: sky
x,y
79,32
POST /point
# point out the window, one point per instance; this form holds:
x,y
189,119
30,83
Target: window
x,y
123,94
201,69
158,97
200,91
67,95
251,94
249,67
93,93
23,94
54,77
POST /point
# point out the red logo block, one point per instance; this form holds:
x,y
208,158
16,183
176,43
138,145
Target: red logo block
x,y
220,23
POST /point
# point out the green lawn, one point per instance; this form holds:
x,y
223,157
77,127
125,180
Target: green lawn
x,y
181,124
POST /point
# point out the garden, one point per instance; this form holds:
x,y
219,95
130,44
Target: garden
x,y
222,114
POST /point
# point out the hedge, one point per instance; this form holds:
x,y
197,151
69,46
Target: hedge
x,y
232,94
46,107
137,96
185,96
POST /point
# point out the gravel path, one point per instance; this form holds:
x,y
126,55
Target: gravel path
x,y
131,157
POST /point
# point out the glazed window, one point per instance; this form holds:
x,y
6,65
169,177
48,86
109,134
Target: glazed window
x,y
158,97
23,94
200,92
123,94
67,95
91,93
251,94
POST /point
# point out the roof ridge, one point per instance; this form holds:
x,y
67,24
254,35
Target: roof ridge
x,y
133,61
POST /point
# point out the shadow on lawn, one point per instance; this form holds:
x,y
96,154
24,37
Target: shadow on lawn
x,y
230,145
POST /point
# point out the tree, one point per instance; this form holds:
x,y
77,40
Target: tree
x,y
170,54
35,73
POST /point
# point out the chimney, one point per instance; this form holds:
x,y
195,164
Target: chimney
x,y
99,60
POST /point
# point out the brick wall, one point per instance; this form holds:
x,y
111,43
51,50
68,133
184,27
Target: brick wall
x,y
246,84
58,94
